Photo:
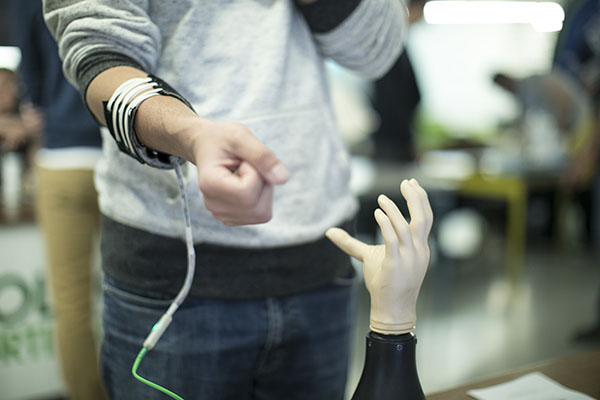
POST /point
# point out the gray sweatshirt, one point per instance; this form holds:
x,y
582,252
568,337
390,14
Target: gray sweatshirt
x,y
259,63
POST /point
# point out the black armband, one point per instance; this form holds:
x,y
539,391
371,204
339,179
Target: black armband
x,y
120,112
323,16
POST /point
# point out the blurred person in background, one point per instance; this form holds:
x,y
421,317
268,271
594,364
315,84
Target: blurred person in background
x,y
396,96
555,123
560,115
20,126
578,54
66,198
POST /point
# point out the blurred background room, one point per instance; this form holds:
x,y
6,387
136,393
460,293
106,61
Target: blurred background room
x,y
493,106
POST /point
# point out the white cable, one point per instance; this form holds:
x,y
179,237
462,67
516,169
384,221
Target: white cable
x,y
122,106
189,239
165,320
118,95
127,97
125,87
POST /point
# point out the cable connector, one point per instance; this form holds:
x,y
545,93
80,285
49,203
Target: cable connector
x,y
157,330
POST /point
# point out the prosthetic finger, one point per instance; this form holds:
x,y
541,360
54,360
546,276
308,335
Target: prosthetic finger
x,y
389,236
398,221
418,222
351,246
428,212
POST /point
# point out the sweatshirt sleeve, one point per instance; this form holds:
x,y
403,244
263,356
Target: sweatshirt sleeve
x,y
94,35
365,36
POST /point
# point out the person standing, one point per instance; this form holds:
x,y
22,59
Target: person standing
x,y
235,92
20,126
577,53
396,97
66,199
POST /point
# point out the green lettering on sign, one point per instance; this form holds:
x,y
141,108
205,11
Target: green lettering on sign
x,y
9,281
28,343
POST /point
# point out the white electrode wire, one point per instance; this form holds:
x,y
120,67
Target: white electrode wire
x,y
124,102
117,97
159,328
189,240
124,87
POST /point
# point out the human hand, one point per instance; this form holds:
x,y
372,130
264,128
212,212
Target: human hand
x,y
10,135
236,173
395,270
19,129
33,120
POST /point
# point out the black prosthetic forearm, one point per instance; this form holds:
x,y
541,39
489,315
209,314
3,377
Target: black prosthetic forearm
x,y
390,370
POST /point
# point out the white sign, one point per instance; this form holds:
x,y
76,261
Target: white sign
x,y
28,365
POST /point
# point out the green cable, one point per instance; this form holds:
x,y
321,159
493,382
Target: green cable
x,y
136,364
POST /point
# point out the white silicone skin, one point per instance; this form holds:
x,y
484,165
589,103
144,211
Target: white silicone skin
x,y
394,270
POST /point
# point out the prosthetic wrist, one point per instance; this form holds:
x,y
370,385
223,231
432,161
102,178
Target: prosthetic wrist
x,y
393,282
393,308
120,111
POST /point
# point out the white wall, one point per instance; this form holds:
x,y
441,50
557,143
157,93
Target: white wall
x,y
455,63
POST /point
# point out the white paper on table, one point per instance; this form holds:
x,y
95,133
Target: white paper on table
x,y
533,386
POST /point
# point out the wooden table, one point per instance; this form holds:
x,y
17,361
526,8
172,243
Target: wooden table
x,y
579,372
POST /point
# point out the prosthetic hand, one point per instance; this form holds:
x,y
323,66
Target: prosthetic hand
x,y
395,270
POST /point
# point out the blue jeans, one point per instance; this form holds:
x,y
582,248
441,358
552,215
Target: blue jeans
x,y
294,347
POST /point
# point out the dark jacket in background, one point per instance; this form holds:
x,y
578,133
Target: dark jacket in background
x,y
67,122
396,97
